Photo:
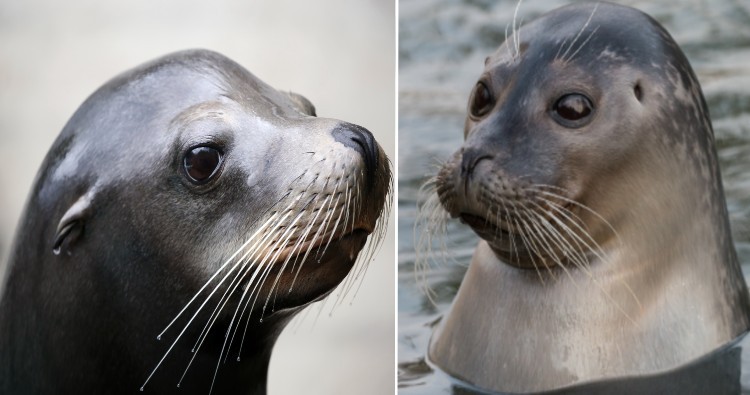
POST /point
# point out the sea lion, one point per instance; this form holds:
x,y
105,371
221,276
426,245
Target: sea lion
x,y
590,174
185,199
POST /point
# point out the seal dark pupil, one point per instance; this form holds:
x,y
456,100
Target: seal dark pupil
x,y
482,101
201,163
573,107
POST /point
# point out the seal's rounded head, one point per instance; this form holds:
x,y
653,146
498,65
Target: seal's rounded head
x,y
562,109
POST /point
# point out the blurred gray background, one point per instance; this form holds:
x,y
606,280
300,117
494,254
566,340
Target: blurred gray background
x,y
339,54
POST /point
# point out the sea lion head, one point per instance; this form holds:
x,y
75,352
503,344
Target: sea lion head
x,y
187,187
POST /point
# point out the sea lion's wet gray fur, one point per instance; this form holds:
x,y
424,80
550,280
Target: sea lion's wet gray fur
x,y
606,248
116,239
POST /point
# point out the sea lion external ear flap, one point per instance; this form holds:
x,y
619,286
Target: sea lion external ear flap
x,y
71,225
302,104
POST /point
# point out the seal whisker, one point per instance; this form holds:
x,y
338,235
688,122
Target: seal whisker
x,y
534,236
577,36
432,220
576,203
597,251
596,248
528,246
516,36
583,44
576,256
584,264
550,252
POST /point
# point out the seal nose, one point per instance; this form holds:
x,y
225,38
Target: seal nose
x,y
360,140
470,157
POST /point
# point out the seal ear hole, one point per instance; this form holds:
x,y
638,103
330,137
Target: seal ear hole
x,y
638,92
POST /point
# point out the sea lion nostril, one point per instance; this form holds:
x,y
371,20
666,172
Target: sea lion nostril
x,y
360,140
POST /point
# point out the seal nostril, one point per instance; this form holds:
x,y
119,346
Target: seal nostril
x,y
638,92
469,160
360,140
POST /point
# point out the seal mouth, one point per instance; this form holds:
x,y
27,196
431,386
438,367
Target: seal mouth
x,y
526,243
483,226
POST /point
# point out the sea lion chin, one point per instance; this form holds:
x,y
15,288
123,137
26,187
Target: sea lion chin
x,y
589,172
185,200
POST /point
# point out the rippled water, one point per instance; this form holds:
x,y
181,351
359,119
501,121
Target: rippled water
x,y
442,46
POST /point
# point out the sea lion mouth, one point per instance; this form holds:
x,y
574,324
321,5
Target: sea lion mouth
x,y
314,247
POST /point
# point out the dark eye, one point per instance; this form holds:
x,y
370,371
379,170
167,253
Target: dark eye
x,y
572,109
202,163
481,100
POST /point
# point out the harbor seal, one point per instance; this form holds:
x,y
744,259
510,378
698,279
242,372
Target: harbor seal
x,y
590,174
186,200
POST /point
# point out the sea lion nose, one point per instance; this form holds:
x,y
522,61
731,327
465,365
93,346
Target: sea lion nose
x,y
360,140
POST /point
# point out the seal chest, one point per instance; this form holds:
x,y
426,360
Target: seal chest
x,y
188,201
589,172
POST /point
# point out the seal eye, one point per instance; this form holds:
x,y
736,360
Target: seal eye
x,y
481,100
572,109
202,163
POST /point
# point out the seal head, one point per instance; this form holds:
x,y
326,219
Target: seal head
x,y
589,172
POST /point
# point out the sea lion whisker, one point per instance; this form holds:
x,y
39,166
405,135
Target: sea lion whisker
x,y
198,310
329,214
310,244
374,244
231,288
283,241
221,268
274,250
242,262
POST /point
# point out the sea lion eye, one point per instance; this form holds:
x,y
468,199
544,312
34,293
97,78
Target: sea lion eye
x,y
571,110
481,100
202,163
